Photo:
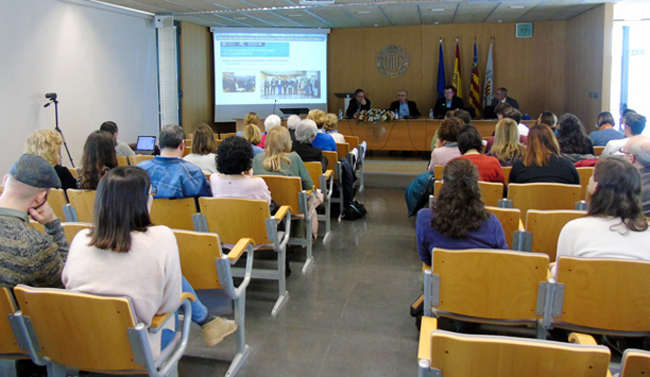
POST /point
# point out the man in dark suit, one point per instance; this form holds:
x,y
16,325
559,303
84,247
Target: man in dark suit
x,y
404,108
500,96
358,103
449,102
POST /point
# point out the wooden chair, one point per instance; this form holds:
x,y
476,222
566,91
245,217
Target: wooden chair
x,y
138,158
635,363
324,182
122,161
506,174
334,165
66,330
541,196
443,353
71,229
585,174
598,150
437,171
75,173
491,192
225,135
487,286
205,267
342,150
81,207
602,296
57,200
10,350
353,141
287,191
510,219
543,230
175,213
233,219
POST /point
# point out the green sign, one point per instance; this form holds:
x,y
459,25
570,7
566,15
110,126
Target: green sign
x,y
524,30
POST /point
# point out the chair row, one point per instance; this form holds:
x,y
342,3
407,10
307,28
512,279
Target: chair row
x,y
52,326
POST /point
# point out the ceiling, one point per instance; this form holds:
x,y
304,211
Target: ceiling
x,y
360,13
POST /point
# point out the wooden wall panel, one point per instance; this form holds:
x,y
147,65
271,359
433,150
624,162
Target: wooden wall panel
x,y
196,80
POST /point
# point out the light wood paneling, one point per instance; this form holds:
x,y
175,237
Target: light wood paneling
x,y
196,76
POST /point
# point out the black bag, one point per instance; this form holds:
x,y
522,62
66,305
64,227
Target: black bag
x,y
348,188
354,211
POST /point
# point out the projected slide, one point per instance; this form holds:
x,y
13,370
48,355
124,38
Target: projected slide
x,y
262,72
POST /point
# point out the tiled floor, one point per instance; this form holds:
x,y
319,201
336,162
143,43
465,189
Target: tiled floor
x,y
347,317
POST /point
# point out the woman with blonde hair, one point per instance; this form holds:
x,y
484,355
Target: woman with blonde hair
x,y
47,144
251,118
323,140
331,123
253,135
507,147
203,148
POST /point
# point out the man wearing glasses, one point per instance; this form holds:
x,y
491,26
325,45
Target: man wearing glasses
x,y
404,108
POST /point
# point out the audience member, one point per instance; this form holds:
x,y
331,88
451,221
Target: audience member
x,y
235,173
572,137
203,148
548,118
251,118
543,162
323,140
507,148
47,144
501,109
171,176
358,103
516,115
615,226
330,127
253,135
121,148
463,115
305,135
470,144
450,101
279,160
404,108
292,124
98,158
605,130
634,124
638,149
446,147
458,219
123,254
270,123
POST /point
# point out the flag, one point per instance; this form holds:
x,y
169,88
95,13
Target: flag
x,y
441,72
474,86
488,86
456,80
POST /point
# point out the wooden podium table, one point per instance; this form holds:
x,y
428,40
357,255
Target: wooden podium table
x,y
403,135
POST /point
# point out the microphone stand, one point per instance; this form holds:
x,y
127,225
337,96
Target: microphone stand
x,y
58,129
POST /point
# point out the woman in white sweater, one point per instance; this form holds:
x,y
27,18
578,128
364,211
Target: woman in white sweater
x,y
615,226
123,254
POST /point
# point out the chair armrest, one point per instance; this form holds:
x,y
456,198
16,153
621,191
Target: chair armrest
x,y
158,321
429,324
281,213
584,339
328,173
307,191
238,250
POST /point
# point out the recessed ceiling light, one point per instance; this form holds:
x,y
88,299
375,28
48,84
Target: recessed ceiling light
x,y
516,6
295,15
364,12
376,25
436,23
240,18
438,9
499,21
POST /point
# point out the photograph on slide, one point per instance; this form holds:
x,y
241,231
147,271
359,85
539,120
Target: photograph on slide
x,y
233,82
290,84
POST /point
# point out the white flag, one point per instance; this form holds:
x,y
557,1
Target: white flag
x,y
488,86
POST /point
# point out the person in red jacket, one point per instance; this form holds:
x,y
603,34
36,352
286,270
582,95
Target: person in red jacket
x,y
470,145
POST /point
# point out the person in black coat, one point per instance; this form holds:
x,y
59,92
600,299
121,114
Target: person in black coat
x,y
305,134
358,103
403,107
449,102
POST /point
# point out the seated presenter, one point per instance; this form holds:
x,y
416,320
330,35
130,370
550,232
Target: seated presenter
x,y
450,101
357,104
403,107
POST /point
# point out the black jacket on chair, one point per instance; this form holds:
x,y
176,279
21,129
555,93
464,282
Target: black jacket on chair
x,y
413,109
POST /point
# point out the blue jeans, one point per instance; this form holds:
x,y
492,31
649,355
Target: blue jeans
x,y
199,315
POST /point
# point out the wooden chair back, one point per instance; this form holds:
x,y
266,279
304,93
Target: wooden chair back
x,y
315,170
138,158
460,355
510,219
80,331
493,284
636,363
75,173
353,141
198,253
174,213
506,174
71,230
585,174
545,227
284,191
598,150
233,219
605,294
437,171
226,135
83,202
332,160
57,200
8,345
342,150
543,196
491,192
122,161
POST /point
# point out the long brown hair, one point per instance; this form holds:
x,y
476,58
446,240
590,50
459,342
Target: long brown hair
x,y
203,140
542,144
618,193
98,157
276,149
458,208
121,206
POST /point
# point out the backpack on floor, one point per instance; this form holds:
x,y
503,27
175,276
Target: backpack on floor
x,y
417,193
354,211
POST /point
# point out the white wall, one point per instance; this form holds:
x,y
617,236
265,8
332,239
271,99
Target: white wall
x,y
101,63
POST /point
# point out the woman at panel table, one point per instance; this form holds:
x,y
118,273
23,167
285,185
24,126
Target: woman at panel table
x,y
615,226
458,219
543,162
358,103
450,101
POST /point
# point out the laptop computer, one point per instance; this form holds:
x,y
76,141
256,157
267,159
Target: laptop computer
x,y
145,145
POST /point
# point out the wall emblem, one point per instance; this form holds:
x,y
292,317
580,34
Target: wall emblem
x,y
392,61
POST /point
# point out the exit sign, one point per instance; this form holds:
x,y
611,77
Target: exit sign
x,y
524,30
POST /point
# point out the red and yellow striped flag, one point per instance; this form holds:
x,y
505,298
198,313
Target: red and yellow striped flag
x,y
474,89
456,80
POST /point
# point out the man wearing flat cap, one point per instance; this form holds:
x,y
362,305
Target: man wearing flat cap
x,y
28,256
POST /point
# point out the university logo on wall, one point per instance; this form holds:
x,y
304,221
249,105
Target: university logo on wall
x,y
392,61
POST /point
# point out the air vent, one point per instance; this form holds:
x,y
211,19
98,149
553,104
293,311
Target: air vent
x,y
317,2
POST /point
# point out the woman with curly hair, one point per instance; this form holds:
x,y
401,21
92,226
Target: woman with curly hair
x,y
572,136
98,158
47,144
323,140
446,147
458,219
507,148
